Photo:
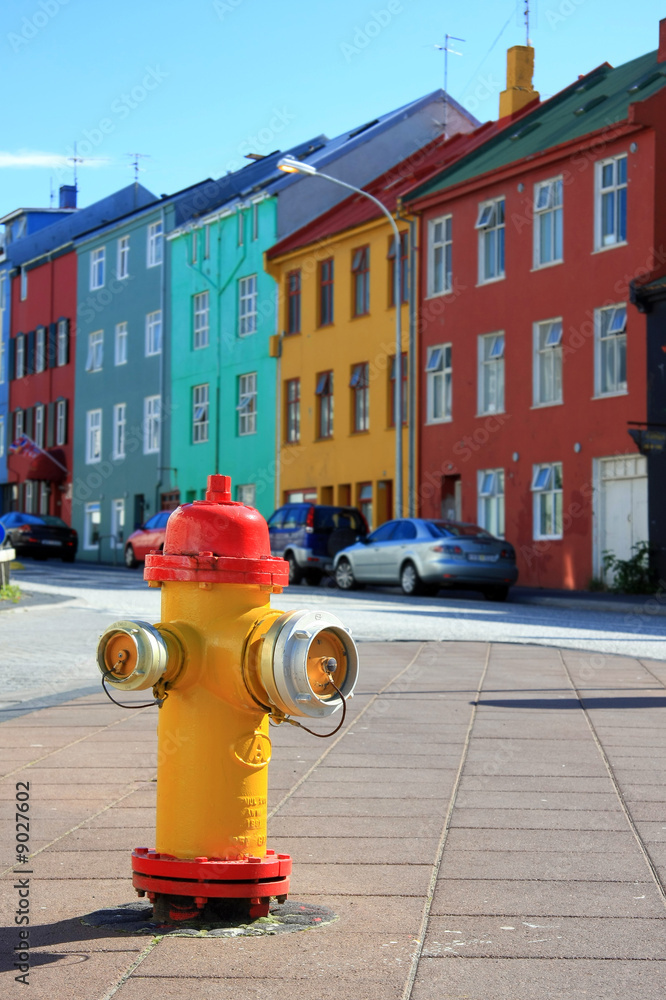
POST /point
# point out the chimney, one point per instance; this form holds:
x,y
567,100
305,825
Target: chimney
x,y
68,196
661,52
519,90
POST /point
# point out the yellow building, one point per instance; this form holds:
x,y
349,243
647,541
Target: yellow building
x,y
335,422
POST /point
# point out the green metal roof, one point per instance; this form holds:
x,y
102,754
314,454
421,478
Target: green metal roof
x,y
599,99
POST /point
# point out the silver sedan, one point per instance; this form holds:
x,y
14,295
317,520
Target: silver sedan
x,y
423,556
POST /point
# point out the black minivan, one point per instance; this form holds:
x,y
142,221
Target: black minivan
x,y
309,535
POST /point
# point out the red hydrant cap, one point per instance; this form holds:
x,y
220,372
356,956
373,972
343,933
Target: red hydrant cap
x,y
217,540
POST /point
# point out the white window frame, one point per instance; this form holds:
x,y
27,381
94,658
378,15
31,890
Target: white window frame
x,y
95,357
3,359
612,339
153,333
440,250
61,421
120,344
154,244
40,349
614,190
247,404
39,425
547,369
548,210
123,257
490,221
44,494
2,435
200,413
19,356
152,416
490,501
19,423
118,521
89,521
247,493
29,497
247,305
119,428
201,308
490,381
93,437
547,499
255,220
439,383
206,242
62,343
23,278
97,268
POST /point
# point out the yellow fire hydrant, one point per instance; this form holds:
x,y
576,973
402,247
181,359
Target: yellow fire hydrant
x,y
221,663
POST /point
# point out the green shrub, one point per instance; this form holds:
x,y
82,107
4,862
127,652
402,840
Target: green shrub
x,y
632,575
10,592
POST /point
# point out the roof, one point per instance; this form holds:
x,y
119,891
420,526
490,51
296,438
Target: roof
x,y
37,211
593,102
388,188
65,231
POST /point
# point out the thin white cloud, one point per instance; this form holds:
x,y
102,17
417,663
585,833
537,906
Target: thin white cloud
x,y
52,161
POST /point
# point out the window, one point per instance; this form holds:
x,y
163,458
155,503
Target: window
x,y
326,292
151,424
95,351
610,363
154,333
118,521
91,524
3,355
365,501
119,422
246,493
404,268
490,512
195,246
2,436
403,391
44,493
120,344
123,257
439,384
40,349
23,284
361,281
294,302
97,261
206,242
3,291
490,224
440,243
611,202
61,422
93,436
247,404
241,227
247,305
201,320
19,359
491,373
293,398
547,491
548,362
548,222
255,220
155,245
324,393
200,413
29,497
62,348
18,424
38,436
360,387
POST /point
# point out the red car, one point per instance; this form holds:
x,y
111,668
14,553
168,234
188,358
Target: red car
x,y
148,538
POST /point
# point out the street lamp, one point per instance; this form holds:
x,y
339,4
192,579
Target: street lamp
x,y
290,165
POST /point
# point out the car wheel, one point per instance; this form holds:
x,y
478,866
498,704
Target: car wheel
x,y
498,593
69,557
410,581
344,576
295,571
130,559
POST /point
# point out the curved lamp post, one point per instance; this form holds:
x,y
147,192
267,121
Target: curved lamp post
x,y
290,165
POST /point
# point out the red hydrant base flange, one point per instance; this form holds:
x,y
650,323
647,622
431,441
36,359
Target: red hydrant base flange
x,y
252,878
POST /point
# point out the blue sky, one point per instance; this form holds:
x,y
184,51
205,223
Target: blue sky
x,y
196,84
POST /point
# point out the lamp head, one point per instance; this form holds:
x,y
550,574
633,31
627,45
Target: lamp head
x,y
290,165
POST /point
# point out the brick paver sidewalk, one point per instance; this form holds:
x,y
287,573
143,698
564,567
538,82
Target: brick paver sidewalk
x,y
489,825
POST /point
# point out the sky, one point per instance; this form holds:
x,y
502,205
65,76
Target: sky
x,y
195,85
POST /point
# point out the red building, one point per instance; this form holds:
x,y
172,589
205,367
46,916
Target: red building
x,y
532,361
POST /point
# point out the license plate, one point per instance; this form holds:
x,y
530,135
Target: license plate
x,y
51,541
481,557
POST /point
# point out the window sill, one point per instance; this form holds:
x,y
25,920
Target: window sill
x,y
250,333
438,420
489,413
438,295
545,266
490,281
546,406
353,433
611,395
118,364
547,538
321,440
611,246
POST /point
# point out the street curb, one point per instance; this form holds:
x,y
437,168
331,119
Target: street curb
x,y
650,607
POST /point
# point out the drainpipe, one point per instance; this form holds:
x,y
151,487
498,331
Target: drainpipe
x,y
412,370
163,357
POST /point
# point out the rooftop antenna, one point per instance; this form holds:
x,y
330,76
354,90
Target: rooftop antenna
x,y
136,158
526,15
445,49
51,191
74,160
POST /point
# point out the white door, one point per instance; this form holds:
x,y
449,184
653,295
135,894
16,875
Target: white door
x,y
623,507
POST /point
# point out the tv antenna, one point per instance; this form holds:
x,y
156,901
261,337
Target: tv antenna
x,y
136,163
445,49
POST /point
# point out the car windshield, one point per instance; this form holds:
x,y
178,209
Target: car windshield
x,y
329,519
53,522
449,528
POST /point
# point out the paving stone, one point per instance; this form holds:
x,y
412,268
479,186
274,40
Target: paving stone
x,y
364,850
541,840
564,865
75,975
430,786
485,799
652,833
561,783
360,880
58,864
546,898
539,819
376,806
269,988
344,827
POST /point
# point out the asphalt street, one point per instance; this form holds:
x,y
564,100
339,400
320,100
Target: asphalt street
x,y
47,649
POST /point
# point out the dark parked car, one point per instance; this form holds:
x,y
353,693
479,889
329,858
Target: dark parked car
x,y
423,556
308,536
145,539
40,536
